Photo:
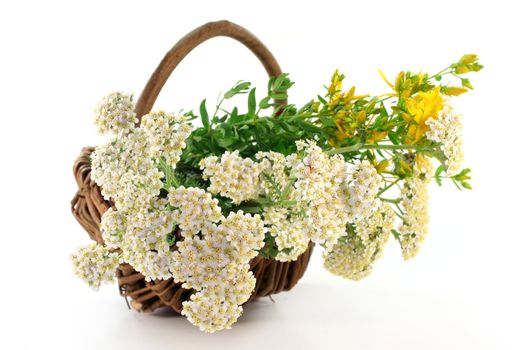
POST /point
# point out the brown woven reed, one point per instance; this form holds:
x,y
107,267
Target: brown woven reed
x,y
88,205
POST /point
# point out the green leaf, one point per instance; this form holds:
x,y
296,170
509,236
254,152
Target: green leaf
x,y
252,103
239,88
265,103
279,96
437,174
204,115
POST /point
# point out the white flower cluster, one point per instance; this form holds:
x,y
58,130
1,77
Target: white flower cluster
x,y
195,210
315,196
212,257
95,264
232,176
126,168
321,192
144,245
364,186
446,130
167,134
115,114
414,194
289,230
125,171
217,267
354,255
213,251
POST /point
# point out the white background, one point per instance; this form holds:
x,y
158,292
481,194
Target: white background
x,y
465,290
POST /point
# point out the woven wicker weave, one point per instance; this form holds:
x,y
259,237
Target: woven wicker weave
x,y
88,205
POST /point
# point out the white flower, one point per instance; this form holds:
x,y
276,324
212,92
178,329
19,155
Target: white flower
x,y
245,233
115,114
364,187
311,191
144,245
167,135
290,232
320,192
125,171
232,176
113,228
217,267
446,130
95,264
195,209
414,228
353,256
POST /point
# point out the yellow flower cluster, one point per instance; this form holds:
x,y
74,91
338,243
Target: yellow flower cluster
x,y
420,108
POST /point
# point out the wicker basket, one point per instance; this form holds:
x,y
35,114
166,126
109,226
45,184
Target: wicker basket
x,y
88,205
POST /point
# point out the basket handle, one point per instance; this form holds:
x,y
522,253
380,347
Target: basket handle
x,y
192,40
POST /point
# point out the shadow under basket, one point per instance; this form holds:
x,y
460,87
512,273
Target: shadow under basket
x,y
89,205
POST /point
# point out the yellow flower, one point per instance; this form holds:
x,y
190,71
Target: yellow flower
x,y
376,136
336,83
420,108
381,166
453,90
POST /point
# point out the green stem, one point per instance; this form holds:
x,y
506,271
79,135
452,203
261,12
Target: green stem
x,y
439,73
386,188
360,146
389,200
217,107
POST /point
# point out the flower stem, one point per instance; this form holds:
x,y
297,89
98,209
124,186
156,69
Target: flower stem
x,y
360,146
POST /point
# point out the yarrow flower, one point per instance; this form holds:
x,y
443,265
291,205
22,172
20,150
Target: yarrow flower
x,y
195,210
414,201
364,187
289,230
321,192
167,134
232,176
115,114
353,256
95,264
144,246
125,171
217,267
314,194
446,130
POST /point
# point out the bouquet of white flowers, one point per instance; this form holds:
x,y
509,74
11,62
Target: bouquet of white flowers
x,y
204,216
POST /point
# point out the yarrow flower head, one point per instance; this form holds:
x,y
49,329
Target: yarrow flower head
x,y
195,210
167,134
414,200
95,264
217,267
232,176
353,256
115,114
446,130
310,190
125,171
364,187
